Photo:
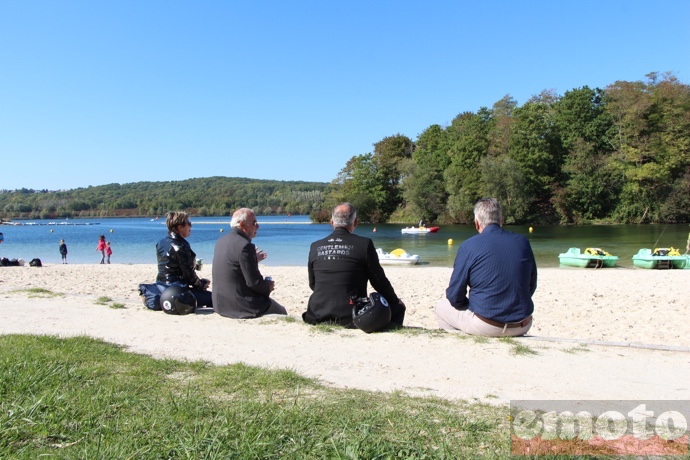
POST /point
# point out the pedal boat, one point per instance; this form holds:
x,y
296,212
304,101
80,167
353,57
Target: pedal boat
x,y
590,258
396,257
660,258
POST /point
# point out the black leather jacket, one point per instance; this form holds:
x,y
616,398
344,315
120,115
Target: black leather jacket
x,y
176,262
341,265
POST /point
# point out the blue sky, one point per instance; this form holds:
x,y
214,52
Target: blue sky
x,y
99,92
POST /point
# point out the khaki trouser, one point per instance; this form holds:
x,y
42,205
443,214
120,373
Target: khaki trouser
x,y
454,320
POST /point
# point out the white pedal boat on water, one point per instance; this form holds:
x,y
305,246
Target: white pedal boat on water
x,y
396,257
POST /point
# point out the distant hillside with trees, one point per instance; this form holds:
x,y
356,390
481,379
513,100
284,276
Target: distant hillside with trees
x,y
212,196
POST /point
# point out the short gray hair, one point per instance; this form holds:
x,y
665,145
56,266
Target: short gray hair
x,y
487,211
240,216
344,215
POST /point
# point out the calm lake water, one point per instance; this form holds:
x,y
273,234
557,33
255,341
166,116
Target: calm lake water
x,y
287,240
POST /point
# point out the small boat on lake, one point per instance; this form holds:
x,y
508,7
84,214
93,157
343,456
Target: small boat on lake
x,y
396,257
590,258
419,230
660,258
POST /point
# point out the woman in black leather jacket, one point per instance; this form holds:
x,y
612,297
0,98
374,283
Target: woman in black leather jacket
x,y
176,260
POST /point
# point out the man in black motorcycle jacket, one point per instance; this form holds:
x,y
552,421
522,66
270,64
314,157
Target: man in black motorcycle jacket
x,y
340,266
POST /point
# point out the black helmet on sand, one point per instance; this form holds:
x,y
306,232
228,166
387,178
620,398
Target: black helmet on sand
x,y
371,313
178,300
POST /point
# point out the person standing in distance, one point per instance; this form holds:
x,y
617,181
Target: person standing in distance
x,y
108,252
240,289
63,251
101,247
340,266
499,268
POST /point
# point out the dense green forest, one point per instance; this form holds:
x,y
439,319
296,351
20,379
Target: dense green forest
x,y
212,196
621,154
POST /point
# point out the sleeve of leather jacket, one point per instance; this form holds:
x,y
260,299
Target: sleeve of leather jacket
x,y
186,262
377,277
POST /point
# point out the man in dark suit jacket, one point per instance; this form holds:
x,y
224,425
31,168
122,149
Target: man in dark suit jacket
x,y
340,266
240,291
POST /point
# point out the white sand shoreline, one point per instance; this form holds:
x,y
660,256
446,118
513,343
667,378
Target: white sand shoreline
x,y
598,334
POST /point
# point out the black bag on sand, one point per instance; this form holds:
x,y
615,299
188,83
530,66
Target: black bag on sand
x,y
35,263
4,262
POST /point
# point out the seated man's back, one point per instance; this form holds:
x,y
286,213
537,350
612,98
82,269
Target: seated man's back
x,y
340,266
499,269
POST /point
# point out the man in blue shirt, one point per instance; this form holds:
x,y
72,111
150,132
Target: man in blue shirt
x,y
499,268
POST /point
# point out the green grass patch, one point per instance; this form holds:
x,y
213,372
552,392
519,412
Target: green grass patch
x,y
520,349
104,300
578,349
517,348
275,319
38,292
508,340
288,319
84,398
480,339
419,331
326,328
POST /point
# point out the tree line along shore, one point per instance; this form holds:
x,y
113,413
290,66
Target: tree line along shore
x,y
618,155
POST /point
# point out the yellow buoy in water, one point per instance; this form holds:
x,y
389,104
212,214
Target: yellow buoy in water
x,y
450,241
531,229
51,230
221,230
111,230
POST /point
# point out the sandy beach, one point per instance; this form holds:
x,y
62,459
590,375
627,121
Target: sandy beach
x,y
597,334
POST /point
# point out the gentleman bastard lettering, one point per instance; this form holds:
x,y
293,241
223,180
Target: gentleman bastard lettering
x,y
333,251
